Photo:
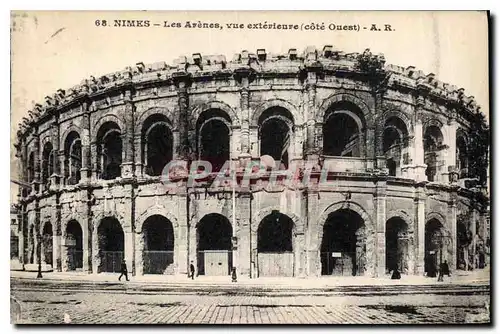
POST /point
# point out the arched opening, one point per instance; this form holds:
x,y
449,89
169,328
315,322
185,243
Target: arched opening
x,y
73,158
434,246
343,245
394,144
342,131
275,134
462,160
47,244
74,245
275,245
433,146
157,141
47,163
214,233
396,245
158,238
111,245
213,133
109,151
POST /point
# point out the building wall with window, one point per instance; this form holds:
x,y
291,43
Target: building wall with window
x,y
396,192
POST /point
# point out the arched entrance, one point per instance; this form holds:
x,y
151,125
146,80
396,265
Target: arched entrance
x,y
157,142
74,245
109,151
158,252
214,233
276,135
434,246
343,246
111,245
275,245
396,245
47,243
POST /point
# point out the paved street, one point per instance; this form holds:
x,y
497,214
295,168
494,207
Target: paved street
x,y
121,305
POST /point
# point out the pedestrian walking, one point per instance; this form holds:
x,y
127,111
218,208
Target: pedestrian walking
x,y
123,271
191,270
396,274
444,269
234,278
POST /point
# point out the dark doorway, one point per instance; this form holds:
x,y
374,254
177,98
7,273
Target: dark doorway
x,y
111,245
396,245
341,136
47,244
157,144
213,138
109,149
158,254
275,245
214,235
434,246
74,244
343,246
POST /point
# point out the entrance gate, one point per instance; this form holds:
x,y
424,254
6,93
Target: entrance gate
x,y
215,262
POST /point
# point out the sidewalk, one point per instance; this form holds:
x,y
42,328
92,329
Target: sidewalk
x,y
459,278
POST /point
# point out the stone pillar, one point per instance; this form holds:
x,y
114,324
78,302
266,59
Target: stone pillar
x,y
138,156
192,249
56,244
37,159
182,83
474,237
20,228
139,247
37,236
129,252
243,234
86,158
182,239
450,153
420,229
94,157
87,245
380,205
313,235
244,79
299,255
62,164
452,219
128,137
96,261
311,147
418,145
55,178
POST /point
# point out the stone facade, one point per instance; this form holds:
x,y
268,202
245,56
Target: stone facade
x,y
88,155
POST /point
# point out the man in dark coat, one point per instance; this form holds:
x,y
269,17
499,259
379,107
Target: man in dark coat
x,y
396,274
444,269
123,270
191,270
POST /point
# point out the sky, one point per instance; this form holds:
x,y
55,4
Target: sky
x,y
53,50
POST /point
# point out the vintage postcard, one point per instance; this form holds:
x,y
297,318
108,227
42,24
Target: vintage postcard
x,y
250,167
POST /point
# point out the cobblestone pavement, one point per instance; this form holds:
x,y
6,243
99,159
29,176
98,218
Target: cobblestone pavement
x,y
48,307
